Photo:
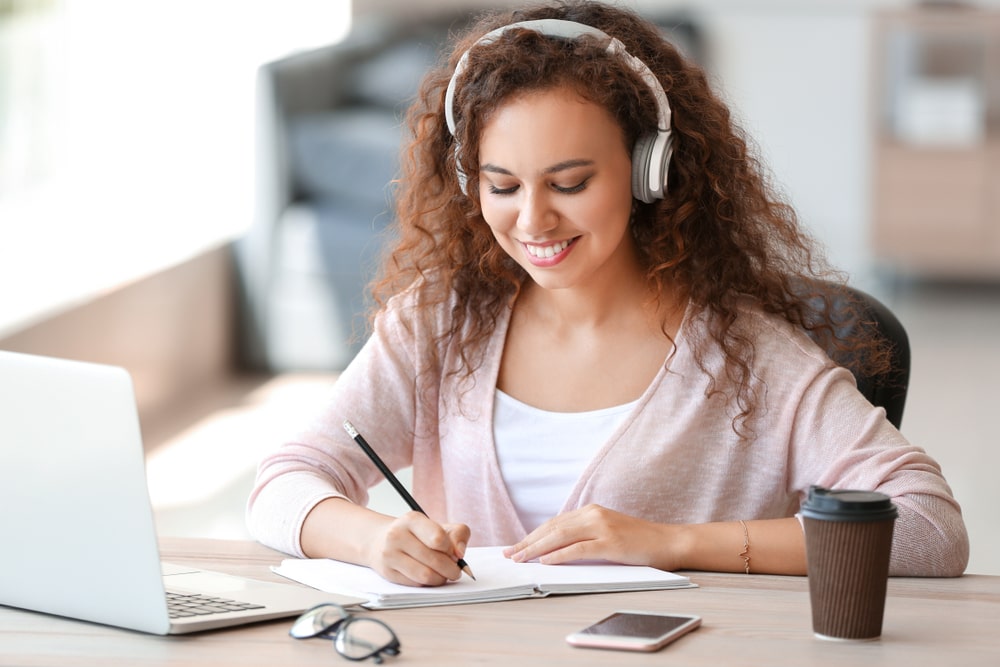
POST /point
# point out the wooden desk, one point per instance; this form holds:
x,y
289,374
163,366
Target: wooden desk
x,y
748,620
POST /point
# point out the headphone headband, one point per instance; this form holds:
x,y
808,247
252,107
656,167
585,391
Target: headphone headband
x,y
652,152
566,30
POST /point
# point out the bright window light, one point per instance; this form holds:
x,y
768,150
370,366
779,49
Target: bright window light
x,y
126,135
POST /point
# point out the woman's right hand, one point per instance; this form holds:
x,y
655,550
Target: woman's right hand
x,y
413,550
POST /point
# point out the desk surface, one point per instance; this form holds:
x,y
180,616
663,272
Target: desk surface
x,y
748,620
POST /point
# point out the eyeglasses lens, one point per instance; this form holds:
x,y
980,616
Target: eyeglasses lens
x,y
318,621
362,638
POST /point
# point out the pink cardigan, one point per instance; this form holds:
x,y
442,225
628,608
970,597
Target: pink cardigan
x,y
674,459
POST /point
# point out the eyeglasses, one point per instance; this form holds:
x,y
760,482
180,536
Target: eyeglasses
x,y
355,638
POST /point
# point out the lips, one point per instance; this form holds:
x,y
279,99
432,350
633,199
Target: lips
x,y
549,250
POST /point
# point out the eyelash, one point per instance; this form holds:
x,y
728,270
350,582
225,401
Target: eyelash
x,y
494,190
582,185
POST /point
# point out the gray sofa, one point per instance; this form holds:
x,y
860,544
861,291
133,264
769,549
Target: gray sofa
x,y
329,125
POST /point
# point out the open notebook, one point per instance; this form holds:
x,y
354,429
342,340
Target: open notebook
x,y
497,578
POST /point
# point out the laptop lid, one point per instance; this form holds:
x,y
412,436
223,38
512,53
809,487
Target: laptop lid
x,y
75,516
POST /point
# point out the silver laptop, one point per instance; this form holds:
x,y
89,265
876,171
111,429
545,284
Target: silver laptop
x,y
75,517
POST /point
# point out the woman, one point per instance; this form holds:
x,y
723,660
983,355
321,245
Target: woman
x,y
594,336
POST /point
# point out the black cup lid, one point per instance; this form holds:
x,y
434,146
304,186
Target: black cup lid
x,y
847,505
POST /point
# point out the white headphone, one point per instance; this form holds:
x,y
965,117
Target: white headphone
x,y
651,153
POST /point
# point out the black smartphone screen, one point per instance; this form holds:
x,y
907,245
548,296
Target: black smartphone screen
x,y
636,625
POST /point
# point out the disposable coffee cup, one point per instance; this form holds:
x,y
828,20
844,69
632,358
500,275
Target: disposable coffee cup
x,y
848,542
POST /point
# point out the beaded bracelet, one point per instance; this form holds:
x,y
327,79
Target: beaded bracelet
x,y
745,554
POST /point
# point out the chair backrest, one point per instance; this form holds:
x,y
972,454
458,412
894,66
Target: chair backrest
x,y
887,391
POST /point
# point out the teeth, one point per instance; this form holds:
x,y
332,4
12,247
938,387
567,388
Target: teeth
x,y
548,250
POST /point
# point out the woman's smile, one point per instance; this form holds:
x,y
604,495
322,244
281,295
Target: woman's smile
x,y
548,254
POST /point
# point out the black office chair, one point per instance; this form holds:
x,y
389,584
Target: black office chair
x,y
887,391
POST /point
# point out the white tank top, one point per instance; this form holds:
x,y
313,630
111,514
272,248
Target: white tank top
x,y
543,453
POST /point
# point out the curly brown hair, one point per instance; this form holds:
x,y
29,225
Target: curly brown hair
x,y
721,235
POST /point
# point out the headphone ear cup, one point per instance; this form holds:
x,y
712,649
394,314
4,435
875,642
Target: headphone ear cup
x,y
664,155
641,160
646,155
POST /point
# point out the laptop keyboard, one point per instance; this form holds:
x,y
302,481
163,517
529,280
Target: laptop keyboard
x,y
184,605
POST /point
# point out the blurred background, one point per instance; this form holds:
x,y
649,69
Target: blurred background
x,y
197,190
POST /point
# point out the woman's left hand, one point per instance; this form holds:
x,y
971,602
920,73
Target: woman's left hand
x,y
595,533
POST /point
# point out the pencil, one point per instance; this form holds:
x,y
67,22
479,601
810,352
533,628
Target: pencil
x,y
400,489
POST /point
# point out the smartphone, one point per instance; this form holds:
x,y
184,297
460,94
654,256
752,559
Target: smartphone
x,y
628,630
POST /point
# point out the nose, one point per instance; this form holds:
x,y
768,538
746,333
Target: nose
x,y
536,215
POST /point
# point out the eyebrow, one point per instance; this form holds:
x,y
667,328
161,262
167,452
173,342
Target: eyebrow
x,y
559,166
